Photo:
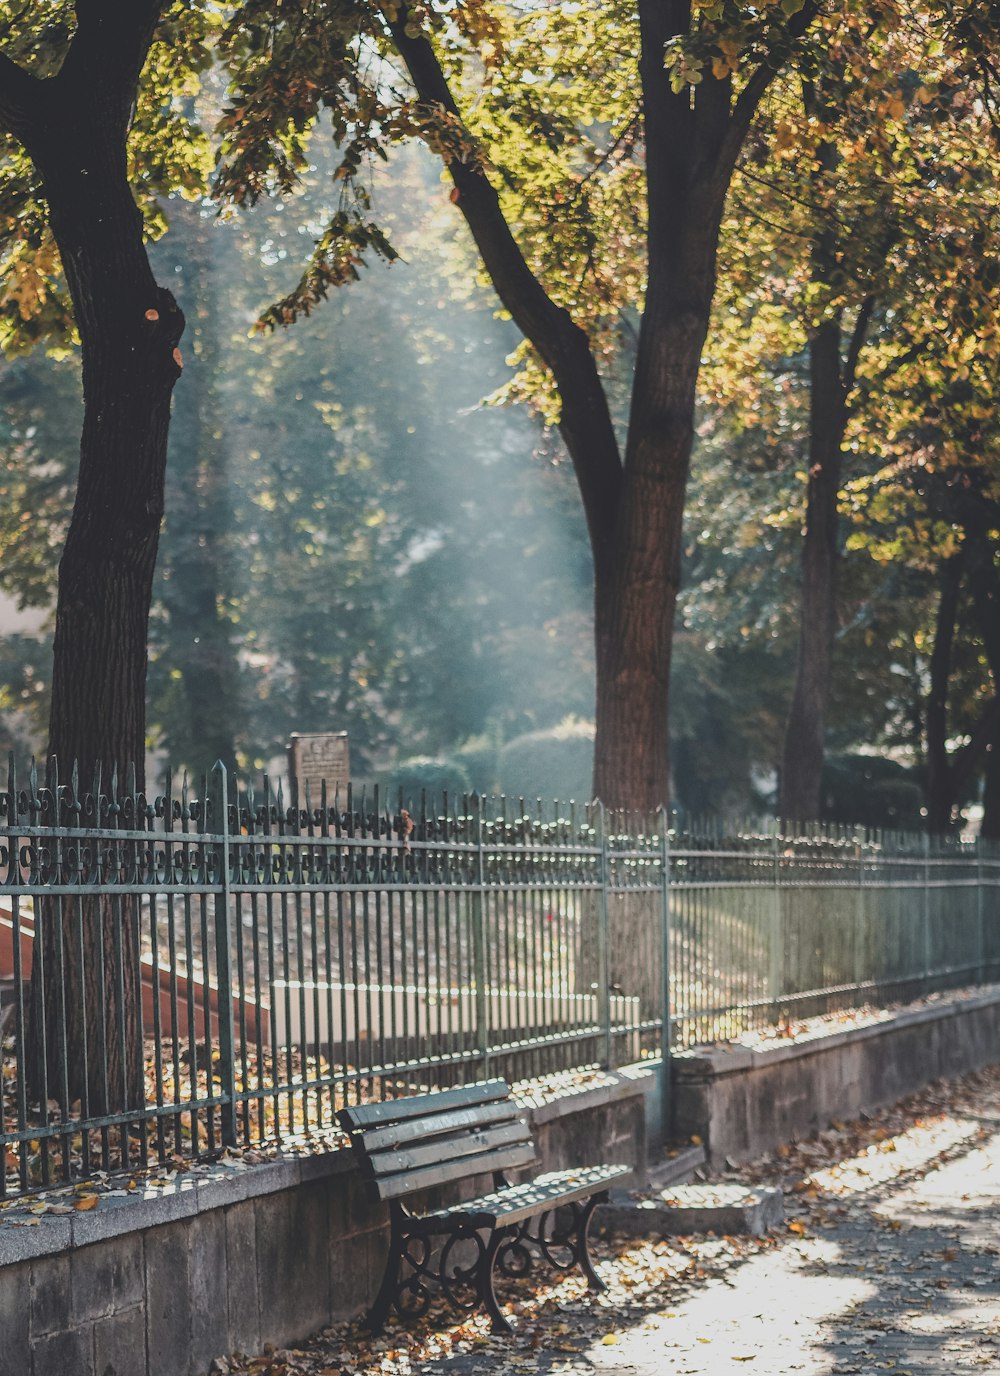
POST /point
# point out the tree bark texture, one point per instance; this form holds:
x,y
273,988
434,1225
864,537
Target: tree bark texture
x,y
940,777
950,775
637,554
990,828
129,330
74,127
985,587
831,381
805,731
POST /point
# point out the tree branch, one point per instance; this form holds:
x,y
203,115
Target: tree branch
x,y
857,343
109,49
20,95
585,423
753,92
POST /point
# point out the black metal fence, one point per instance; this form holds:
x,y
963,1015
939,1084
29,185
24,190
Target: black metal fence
x,y
214,968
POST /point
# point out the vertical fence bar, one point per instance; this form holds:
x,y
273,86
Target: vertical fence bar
x,y
925,979
479,941
603,955
224,966
980,924
859,924
666,1029
776,945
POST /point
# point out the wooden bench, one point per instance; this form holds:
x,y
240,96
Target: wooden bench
x,y
413,1144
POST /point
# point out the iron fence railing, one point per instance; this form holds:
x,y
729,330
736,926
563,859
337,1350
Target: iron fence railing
x,y
211,967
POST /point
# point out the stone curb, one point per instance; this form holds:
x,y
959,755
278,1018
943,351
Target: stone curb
x,y
700,1062
729,1210
191,1193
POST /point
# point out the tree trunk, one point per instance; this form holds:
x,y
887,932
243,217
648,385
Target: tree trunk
x,y
637,571
940,775
990,829
805,731
984,583
129,331
637,583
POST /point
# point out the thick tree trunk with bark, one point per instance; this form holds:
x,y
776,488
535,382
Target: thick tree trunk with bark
x,y
636,582
129,330
985,587
940,780
74,126
805,732
950,774
990,828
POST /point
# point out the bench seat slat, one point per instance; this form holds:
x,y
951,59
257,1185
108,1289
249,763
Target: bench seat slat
x,y
422,1106
420,1129
518,1202
461,1149
506,1158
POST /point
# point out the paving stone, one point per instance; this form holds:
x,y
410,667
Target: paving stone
x,y
900,1273
733,1210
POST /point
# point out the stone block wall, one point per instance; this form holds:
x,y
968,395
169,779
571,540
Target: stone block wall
x,y
742,1102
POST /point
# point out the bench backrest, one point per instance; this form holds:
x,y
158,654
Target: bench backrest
x,y
432,1139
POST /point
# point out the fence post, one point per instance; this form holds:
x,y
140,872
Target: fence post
x,y
980,916
859,925
666,1029
479,941
927,912
603,959
776,954
226,1068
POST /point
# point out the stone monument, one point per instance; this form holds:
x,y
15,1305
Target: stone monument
x,y
316,758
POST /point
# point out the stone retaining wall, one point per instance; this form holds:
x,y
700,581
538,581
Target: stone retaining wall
x,y
743,1102
231,1257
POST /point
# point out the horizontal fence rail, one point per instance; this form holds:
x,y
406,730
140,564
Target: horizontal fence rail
x,y
215,968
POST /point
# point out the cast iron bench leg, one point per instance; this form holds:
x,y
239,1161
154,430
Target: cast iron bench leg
x,y
498,1319
388,1291
584,1216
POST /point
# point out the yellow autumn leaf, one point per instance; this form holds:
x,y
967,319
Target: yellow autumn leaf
x,y
609,1338
86,1201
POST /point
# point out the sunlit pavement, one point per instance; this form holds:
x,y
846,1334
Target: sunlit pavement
x,y
889,1260
899,1274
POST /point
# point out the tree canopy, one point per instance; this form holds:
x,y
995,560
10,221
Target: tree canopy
x,y
644,185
